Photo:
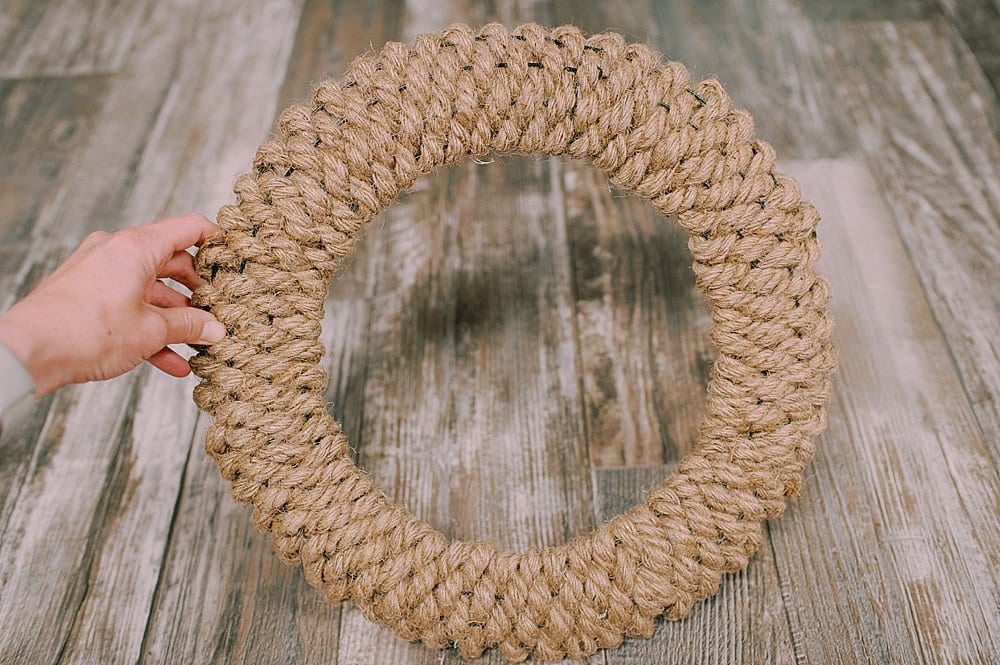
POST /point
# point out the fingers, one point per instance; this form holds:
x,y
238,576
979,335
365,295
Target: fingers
x,y
180,267
169,361
161,295
189,325
182,232
158,243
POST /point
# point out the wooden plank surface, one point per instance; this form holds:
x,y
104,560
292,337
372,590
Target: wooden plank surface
x,y
68,37
224,596
861,10
127,541
96,491
471,406
643,326
940,173
891,554
106,441
472,414
52,537
978,21
516,351
640,319
43,124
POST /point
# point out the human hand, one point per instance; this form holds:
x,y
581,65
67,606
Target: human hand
x,y
104,310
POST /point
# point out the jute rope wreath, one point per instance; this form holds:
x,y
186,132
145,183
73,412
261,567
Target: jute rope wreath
x,y
335,164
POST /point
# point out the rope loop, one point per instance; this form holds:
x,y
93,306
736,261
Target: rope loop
x,y
340,160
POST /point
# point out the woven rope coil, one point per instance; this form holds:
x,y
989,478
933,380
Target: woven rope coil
x,y
335,164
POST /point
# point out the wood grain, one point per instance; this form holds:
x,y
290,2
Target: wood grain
x,y
68,37
112,529
472,415
890,554
50,542
643,327
140,488
223,594
977,21
43,124
860,10
104,166
940,173
330,35
92,452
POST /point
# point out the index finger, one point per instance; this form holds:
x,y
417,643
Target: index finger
x,y
156,243
178,233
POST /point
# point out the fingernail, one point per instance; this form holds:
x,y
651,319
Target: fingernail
x,y
211,332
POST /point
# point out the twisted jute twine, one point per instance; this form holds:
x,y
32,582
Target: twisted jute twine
x,y
337,163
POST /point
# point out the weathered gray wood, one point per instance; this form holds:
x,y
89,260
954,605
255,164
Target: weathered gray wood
x,y
978,22
744,623
643,328
860,10
471,406
103,564
214,118
506,327
921,106
68,37
891,553
103,169
43,122
223,594
97,174
51,541
140,488
646,354
330,35
54,567
755,49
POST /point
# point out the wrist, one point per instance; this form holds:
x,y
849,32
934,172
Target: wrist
x,y
26,339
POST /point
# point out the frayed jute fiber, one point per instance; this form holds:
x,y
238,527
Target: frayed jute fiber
x,y
335,164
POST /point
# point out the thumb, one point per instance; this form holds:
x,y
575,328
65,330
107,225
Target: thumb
x,y
189,325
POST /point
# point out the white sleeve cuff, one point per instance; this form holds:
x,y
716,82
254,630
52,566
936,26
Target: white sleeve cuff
x,y
17,392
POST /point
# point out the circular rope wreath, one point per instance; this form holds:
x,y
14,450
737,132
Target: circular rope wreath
x,y
336,164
